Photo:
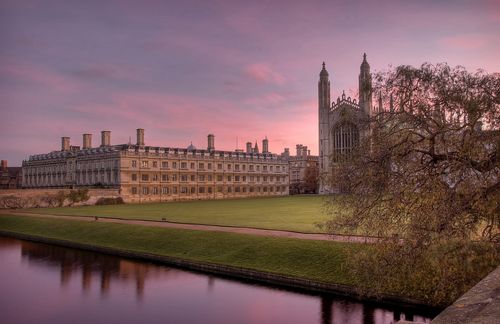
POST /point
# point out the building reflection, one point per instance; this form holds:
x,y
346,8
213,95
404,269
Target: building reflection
x,y
334,310
93,265
107,271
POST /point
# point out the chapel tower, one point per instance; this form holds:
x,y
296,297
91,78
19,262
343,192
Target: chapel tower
x,y
365,87
323,113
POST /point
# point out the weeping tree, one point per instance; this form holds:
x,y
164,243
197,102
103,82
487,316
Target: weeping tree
x,y
425,179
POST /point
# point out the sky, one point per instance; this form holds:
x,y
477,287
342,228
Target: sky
x,y
242,70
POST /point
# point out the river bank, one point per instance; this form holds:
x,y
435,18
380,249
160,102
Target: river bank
x,y
310,265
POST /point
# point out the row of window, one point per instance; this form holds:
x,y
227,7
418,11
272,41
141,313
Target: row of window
x,y
209,166
203,190
208,177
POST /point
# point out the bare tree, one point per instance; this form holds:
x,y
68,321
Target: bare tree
x,y
426,178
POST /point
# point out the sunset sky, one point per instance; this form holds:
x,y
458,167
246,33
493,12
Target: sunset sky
x,y
237,69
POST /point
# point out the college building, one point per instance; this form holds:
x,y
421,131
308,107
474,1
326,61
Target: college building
x,y
149,173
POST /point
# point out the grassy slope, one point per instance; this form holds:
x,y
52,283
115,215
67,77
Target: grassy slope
x,y
293,213
314,260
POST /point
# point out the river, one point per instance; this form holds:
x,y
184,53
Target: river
x,y
41,283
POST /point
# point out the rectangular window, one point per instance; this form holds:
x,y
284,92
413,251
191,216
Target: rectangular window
x,y
219,177
250,167
219,166
271,168
184,177
229,189
144,164
229,166
174,165
193,190
134,164
192,165
228,178
155,190
237,167
237,189
164,190
244,167
174,177
201,178
134,190
164,165
236,178
209,189
184,190
264,168
258,167
219,189
145,177
155,177
145,190
174,190
201,166
193,177
183,165
134,177
164,177
201,190
155,164
209,177
209,166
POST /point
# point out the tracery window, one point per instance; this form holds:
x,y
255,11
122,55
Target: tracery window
x,y
345,137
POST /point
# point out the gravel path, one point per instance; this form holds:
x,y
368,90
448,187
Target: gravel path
x,y
202,227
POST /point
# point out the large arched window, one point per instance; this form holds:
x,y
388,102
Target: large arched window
x,y
345,137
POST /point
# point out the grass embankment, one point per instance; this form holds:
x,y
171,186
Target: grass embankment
x,y
313,260
291,213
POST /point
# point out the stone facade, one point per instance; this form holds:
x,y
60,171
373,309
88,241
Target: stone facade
x,y
342,123
297,166
146,173
10,177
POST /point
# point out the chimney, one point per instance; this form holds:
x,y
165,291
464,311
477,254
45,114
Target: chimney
x,y
256,148
140,136
87,141
286,153
304,150
64,143
211,142
4,165
105,138
265,145
249,147
308,152
299,150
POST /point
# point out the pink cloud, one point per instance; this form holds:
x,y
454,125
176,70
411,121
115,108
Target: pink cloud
x,y
263,73
32,73
466,41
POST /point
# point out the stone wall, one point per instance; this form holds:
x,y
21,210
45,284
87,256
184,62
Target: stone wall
x,y
34,197
480,305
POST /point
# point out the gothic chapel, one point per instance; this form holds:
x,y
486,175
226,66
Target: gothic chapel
x,y
341,122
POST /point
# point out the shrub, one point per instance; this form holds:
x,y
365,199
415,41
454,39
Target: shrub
x,y
110,201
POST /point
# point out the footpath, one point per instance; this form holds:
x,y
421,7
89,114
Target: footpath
x,y
205,227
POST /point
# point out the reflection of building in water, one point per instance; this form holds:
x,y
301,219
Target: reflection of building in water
x,y
90,264
335,310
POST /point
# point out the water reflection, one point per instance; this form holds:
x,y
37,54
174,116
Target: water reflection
x,y
96,287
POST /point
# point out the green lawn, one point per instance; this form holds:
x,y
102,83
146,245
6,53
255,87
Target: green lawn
x,y
292,213
313,260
